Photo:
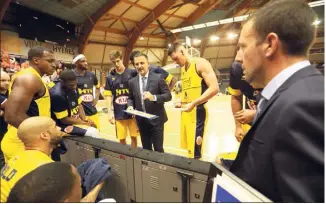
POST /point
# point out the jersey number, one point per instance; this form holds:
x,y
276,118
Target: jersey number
x,y
9,176
87,98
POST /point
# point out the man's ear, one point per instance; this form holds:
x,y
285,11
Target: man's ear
x,y
271,44
45,136
36,60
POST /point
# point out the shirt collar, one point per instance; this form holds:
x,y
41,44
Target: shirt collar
x,y
281,77
140,76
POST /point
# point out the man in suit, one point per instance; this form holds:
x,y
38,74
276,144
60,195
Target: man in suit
x,y
148,92
282,155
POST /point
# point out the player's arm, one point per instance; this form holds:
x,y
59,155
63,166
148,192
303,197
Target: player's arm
x,y
23,90
205,69
169,78
82,114
92,195
97,91
108,98
131,100
60,109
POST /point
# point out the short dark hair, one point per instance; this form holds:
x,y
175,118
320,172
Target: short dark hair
x,y
174,47
115,54
139,54
52,182
291,20
132,55
37,51
68,75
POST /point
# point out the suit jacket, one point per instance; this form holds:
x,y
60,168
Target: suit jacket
x,y
282,155
156,86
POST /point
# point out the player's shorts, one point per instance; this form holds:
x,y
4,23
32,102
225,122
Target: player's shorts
x,y
245,128
11,145
193,124
95,118
122,128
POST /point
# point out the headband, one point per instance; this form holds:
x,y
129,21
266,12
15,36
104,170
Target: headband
x,y
78,57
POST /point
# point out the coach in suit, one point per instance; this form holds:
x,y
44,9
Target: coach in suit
x,y
282,155
148,92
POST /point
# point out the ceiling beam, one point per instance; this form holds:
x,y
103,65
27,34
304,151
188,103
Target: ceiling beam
x,y
122,44
147,9
122,32
129,20
141,26
4,4
93,20
136,5
199,12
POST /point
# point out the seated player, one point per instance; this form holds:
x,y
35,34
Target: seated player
x,y
39,135
66,107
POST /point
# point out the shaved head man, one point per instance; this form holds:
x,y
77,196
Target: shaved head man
x,y
39,136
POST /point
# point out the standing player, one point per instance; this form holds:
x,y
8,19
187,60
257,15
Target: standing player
x,y
117,87
86,81
28,96
169,78
239,87
199,84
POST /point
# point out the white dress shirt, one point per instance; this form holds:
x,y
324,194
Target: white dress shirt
x,y
141,85
277,82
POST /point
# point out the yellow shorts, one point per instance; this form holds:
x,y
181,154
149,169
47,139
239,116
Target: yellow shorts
x,y
11,145
95,118
193,124
123,126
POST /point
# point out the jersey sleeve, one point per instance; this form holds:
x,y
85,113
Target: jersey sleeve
x,y
59,106
235,79
133,73
108,86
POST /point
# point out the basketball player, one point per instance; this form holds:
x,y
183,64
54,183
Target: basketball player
x,y
67,109
239,87
199,84
28,96
117,87
39,136
86,81
169,78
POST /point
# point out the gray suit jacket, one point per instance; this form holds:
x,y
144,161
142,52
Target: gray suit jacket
x,y
282,155
156,86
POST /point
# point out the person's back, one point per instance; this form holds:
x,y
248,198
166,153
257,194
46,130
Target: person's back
x,y
18,166
54,182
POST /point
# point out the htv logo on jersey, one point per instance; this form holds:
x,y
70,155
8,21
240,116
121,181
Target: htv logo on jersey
x,y
122,100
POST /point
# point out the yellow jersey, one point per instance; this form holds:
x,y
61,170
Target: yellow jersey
x,y
17,167
11,144
193,85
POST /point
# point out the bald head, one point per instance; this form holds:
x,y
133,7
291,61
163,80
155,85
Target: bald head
x,y
31,129
4,81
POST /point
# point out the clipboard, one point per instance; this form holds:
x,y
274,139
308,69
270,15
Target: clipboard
x,y
141,114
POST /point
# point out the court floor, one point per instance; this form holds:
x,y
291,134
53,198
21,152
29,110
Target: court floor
x,y
219,138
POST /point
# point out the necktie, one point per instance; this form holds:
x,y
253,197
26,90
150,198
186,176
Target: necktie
x,y
260,108
143,79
